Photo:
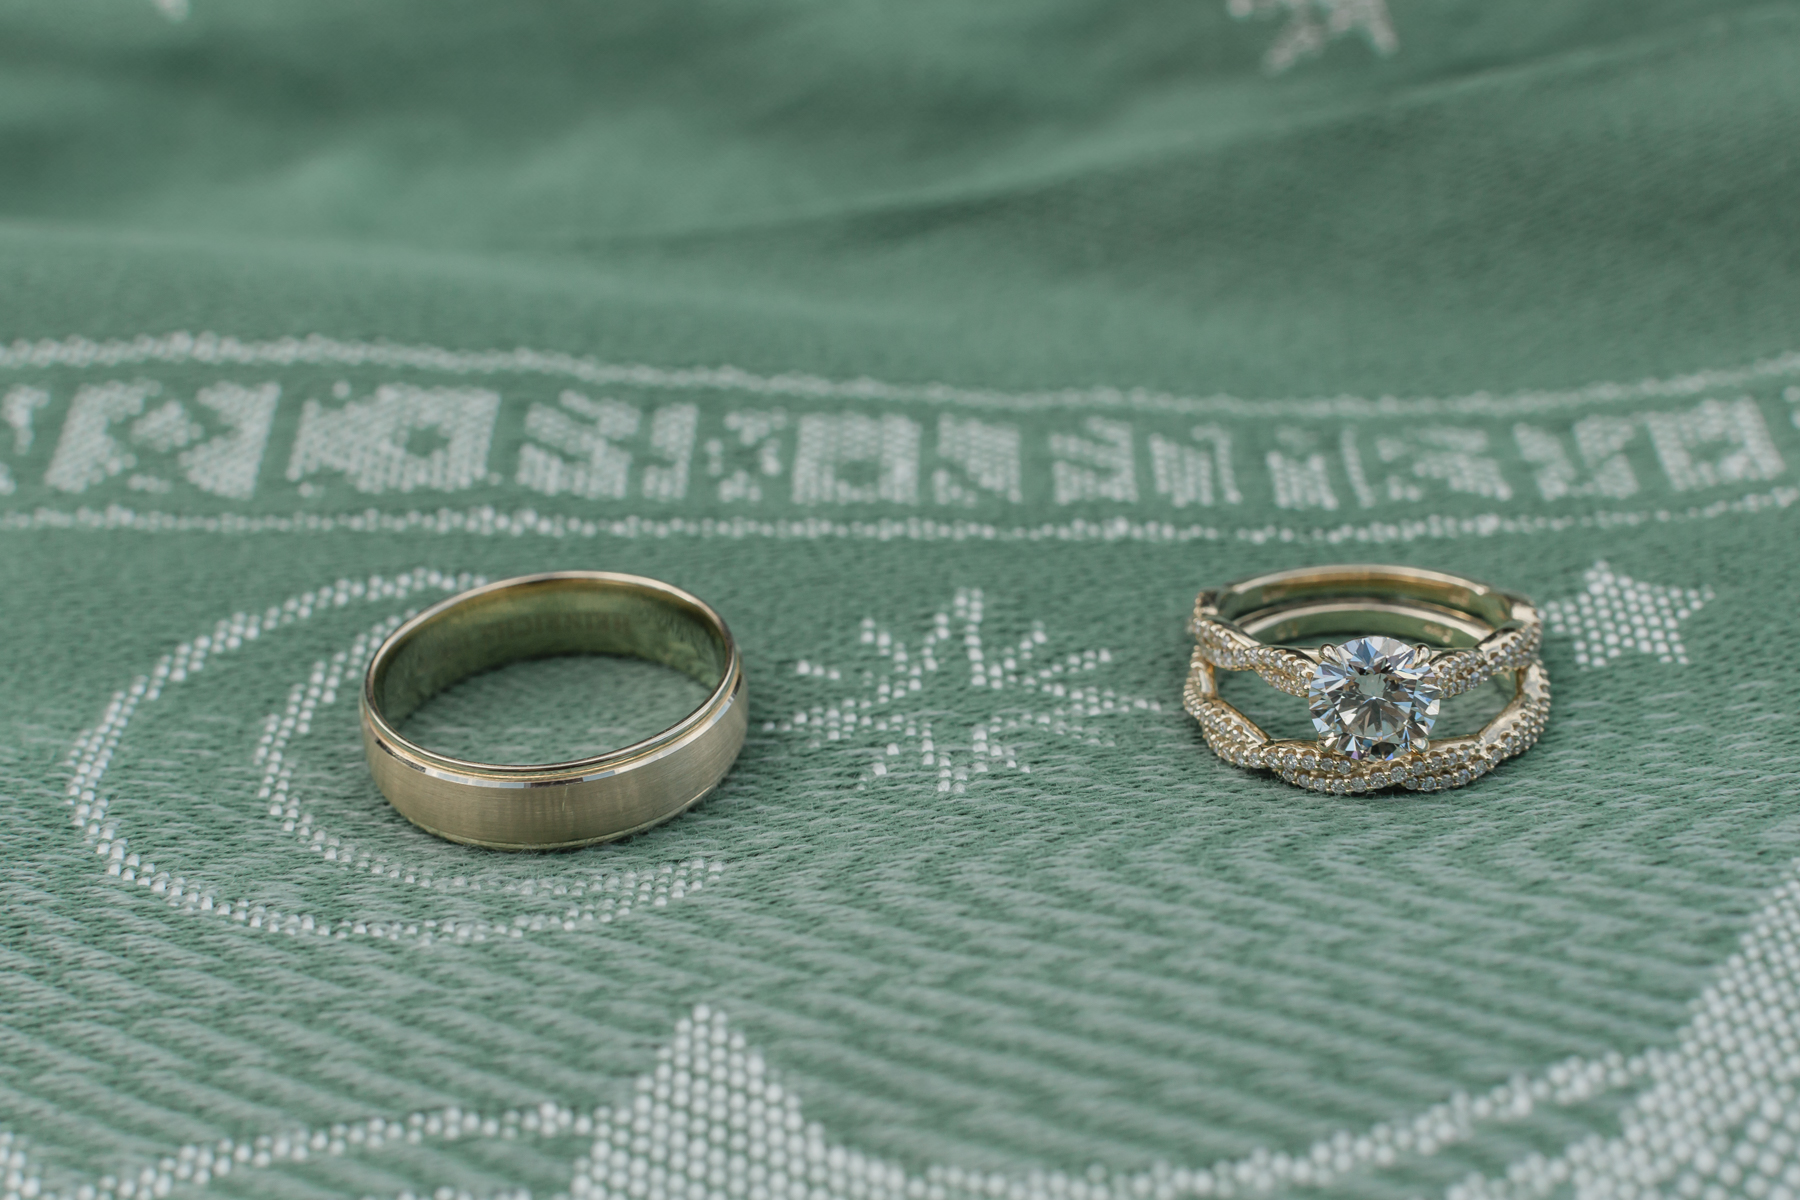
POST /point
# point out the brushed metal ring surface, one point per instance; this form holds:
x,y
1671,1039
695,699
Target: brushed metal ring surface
x,y
555,805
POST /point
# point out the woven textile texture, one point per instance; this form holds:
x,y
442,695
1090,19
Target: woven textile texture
x,y
948,350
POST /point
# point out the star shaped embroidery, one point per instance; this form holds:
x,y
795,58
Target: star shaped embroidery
x,y
958,702
1616,613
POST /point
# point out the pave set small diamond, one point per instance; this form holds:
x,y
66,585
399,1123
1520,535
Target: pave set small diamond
x,y
1374,700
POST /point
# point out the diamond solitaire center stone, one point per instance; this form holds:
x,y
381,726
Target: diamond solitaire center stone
x,y
1374,698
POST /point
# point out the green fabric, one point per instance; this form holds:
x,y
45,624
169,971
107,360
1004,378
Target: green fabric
x,y
970,339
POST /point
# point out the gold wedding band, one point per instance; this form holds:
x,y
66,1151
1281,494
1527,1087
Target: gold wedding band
x,y
1373,699
564,804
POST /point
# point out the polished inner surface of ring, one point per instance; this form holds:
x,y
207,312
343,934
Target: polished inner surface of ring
x,y
550,710
515,624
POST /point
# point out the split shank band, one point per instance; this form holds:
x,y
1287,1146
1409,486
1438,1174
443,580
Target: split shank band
x,y
1374,699
561,804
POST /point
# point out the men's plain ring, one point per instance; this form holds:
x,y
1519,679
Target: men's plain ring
x,y
565,804
1373,699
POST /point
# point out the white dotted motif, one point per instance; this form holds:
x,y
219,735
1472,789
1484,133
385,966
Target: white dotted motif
x,y
1717,1116
213,349
831,447
1600,441
756,454
1301,482
1456,456
1713,443
375,443
573,894
17,409
896,706
486,520
587,449
1311,24
984,458
1616,613
407,438
1100,466
1188,474
90,450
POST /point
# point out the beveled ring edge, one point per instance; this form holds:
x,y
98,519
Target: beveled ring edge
x,y
728,702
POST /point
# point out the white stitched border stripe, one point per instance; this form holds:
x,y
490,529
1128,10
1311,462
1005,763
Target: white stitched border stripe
x,y
217,350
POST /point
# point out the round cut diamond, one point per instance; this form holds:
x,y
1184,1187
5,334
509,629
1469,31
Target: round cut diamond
x,y
1374,698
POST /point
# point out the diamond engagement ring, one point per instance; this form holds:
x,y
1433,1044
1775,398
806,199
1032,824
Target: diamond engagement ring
x,y
1374,699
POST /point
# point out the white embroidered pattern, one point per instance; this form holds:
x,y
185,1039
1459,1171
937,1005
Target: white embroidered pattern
x,y
1312,24
713,1121
984,458
1717,1116
1720,1116
407,437
905,707
1098,466
17,410
1458,457
585,448
1600,442
488,521
1306,482
375,443
566,897
317,350
90,450
1190,475
1616,613
855,458
1741,449
754,459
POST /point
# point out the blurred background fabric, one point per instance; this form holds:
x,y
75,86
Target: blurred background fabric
x,y
947,350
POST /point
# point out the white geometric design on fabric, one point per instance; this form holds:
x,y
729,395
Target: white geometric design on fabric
x,y
367,440
1098,466
1719,1118
830,446
17,408
1715,442
407,438
586,447
892,703
1186,474
487,521
981,457
1617,613
1313,23
212,349
575,898
100,440
712,1121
